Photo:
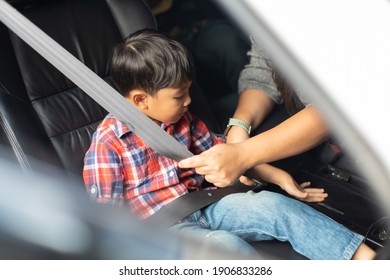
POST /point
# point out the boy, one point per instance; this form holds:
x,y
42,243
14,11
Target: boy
x,y
154,73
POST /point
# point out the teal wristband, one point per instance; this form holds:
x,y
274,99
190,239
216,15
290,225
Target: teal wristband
x,y
237,122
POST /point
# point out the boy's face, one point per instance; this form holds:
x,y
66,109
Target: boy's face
x,y
168,105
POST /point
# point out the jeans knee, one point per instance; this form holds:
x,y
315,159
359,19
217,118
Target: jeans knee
x,y
262,200
230,242
272,198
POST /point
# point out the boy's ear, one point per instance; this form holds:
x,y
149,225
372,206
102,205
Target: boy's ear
x,y
139,99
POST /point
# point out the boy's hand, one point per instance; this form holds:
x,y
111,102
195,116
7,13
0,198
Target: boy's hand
x,y
302,192
281,178
247,181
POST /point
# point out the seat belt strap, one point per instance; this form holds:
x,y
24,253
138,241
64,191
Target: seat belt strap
x,y
92,84
187,204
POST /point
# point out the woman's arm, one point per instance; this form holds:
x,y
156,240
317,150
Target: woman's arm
x,y
223,164
299,133
258,93
253,106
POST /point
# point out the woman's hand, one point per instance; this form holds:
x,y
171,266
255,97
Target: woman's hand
x,y
222,164
236,135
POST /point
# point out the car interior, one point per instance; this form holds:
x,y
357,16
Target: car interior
x,y
46,117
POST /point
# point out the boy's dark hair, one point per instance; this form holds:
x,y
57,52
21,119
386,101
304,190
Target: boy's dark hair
x,y
149,60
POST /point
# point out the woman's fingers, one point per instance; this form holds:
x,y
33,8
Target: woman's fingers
x,y
219,164
193,162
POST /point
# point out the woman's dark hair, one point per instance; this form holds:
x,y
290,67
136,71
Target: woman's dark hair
x,y
149,60
290,99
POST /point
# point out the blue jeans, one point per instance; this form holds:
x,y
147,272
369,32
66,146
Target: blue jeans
x,y
240,218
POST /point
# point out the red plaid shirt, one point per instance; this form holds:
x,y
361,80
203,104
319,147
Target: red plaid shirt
x,y
121,167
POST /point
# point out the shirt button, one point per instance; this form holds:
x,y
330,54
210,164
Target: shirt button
x,y
171,174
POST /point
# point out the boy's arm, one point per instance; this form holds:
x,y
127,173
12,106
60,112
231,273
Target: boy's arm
x,y
279,177
102,174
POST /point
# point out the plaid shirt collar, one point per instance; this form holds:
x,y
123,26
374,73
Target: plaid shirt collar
x,y
120,128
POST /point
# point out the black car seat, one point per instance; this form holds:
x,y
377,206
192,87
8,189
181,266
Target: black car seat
x,y
43,114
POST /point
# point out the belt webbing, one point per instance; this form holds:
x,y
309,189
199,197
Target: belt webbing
x,y
116,104
187,204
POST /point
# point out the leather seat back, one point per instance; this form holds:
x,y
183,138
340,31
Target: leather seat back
x,y
43,114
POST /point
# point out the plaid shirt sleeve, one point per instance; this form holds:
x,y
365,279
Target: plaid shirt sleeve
x,y
103,172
